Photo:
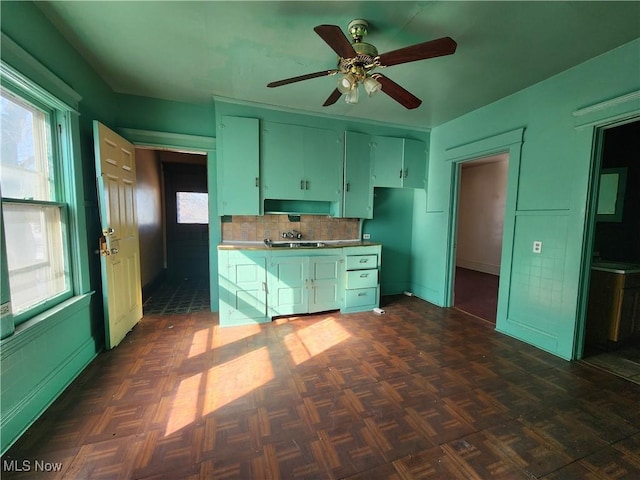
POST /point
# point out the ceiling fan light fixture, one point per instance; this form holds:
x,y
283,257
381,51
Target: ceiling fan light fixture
x,y
347,83
352,95
371,85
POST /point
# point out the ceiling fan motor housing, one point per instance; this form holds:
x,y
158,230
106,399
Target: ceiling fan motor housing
x,y
365,52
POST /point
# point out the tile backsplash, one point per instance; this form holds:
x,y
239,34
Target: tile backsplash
x,y
313,227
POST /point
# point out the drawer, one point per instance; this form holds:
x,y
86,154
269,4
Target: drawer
x,y
362,279
360,262
361,297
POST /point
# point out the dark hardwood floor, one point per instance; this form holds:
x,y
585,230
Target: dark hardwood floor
x,y
476,293
420,392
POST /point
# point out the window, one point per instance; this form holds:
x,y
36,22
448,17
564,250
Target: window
x,y
33,204
192,207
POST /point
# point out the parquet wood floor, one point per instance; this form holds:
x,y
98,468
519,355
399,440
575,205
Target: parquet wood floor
x,y
418,393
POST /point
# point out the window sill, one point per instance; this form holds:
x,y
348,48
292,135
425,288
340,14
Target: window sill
x,y
38,325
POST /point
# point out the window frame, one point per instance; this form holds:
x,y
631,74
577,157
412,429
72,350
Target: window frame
x,y
60,136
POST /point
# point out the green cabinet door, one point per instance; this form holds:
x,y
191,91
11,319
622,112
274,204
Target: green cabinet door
x,y
399,162
288,282
239,166
325,285
322,157
387,161
358,189
414,164
242,283
282,161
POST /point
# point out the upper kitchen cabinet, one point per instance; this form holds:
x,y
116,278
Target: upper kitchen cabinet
x,y
358,190
239,167
399,162
301,163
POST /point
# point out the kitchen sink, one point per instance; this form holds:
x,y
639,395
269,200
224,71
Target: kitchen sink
x,y
294,244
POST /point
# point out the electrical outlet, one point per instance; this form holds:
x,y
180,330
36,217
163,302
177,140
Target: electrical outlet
x,y
537,246
366,236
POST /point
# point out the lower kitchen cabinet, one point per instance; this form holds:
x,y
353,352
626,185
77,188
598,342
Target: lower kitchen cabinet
x,y
242,281
303,283
362,285
256,285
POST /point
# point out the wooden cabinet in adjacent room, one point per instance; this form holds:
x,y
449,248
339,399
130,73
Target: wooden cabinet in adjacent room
x,y
614,308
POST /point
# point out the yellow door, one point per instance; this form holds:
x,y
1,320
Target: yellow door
x,y
119,247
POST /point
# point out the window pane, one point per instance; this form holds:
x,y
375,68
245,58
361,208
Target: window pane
x,y
25,158
192,207
35,254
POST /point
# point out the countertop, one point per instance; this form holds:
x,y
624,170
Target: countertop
x,y
238,245
623,268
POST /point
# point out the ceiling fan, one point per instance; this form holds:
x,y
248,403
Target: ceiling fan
x,y
357,59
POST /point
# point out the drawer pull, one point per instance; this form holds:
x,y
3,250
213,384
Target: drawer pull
x,y
362,294
364,260
364,275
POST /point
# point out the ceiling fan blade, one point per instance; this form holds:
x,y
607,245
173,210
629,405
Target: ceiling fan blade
x,y
308,76
337,40
399,94
333,98
421,51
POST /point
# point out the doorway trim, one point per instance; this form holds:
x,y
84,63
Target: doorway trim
x,y
510,143
156,140
595,119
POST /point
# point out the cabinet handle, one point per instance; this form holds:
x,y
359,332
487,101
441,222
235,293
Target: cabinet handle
x,y
306,185
257,182
364,275
364,260
301,184
348,186
362,294
400,173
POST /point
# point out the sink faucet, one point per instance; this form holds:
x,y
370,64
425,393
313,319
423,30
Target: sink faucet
x,y
292,234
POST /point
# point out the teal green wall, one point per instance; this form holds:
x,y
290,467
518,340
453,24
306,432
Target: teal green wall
x,y
391,226
541,302
145,113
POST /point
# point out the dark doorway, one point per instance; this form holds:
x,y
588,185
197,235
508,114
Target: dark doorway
x,y
612,333
187,225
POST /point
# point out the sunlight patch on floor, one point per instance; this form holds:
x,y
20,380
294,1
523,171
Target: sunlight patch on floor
x,y
238,377
200,342
184,408
314,339
227,335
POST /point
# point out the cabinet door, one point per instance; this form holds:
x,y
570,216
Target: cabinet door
x,y
325,285
322,165
358,191
282,162
239,166
387,161
242,282
414,164
287,285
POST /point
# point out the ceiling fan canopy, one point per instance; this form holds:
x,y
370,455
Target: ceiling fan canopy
x,y
357,59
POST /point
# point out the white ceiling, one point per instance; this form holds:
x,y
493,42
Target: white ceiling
x,y
192,51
